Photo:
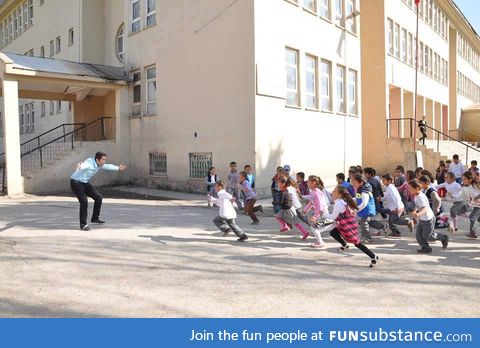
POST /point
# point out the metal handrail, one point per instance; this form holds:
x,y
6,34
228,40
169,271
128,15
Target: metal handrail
x,y
464,132
39,148
435,131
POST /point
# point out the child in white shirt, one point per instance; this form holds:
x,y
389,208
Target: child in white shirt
x,y
426,223
471,195
225,221
453,193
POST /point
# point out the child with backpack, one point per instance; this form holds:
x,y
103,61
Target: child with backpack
x,y
441,220
315,208
346,230
287,214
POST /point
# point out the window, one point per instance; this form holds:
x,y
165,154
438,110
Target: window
x,y
390,36
324,8
69,106
20,19
404,46
430,59
158,163
30,12
137,93
52,107
151,90
311,81
352,20
52,48
135,7
291,57
326,71
352,92
309,5
425,62
339,16
25,16
409,49
199,164
420,56
42,109
32,117
10,25
150,18
27,118
120,43
57,45
396,36
340,89
59,107
70,37
22,119
15,23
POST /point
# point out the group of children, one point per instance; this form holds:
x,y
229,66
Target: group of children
x,y
407,198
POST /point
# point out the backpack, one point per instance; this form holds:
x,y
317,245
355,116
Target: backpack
x,y
348,226
286,202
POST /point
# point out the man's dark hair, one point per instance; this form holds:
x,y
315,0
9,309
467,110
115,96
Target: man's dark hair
x,y
99,155
233,163
302,175
341,176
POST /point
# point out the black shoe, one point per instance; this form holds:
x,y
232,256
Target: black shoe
x,y
260,209
424,251
242,238
445,242
98,221
373,261
472,235
226,232
255,223
85,228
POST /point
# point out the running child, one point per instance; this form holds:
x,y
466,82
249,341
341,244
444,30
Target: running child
x,y
233,184
425,229
341,181
471,194
288,205
441,220
453,189
250,198
315,208
225,221
346,230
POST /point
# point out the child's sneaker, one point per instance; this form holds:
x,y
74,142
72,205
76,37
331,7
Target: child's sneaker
x,y
242,238
343,248
411,225
317,245
472,235
286,229
373,261
445,242
367,241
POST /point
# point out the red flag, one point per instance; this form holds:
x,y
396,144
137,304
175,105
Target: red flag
x,y
417,2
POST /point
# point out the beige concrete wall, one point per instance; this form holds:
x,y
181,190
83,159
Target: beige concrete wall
x,y
114,17
92,31
374,87
205,85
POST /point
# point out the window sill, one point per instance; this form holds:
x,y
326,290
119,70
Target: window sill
x,y
146,27
326,19
292,2
158,176
354,115
341,113
310,11
293,107
312,109
198,179
328,111
134,117
134,33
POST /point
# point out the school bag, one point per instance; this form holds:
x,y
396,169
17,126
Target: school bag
x,y
348,227
286,202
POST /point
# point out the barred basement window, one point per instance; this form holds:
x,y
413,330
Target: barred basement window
x,y
199,164
158,163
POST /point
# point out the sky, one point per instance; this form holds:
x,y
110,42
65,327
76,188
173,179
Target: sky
x,y
471,10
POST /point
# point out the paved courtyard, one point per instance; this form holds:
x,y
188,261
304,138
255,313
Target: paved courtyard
x,y
164,258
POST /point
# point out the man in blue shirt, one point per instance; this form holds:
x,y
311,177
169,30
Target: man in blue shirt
x,y
80,184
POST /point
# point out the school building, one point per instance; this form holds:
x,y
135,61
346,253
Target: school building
x,y
173,87
448,90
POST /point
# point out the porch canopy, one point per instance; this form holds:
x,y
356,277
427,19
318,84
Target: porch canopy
x,y
92,88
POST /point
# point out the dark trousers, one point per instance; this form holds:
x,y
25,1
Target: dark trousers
x,y
225,224
335,233
250,209
424,135
82,190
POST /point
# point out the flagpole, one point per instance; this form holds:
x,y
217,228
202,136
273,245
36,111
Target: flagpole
x,y
416,83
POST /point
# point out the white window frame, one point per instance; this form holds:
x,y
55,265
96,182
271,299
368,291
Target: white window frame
x,y
52,48
353,101
137,20
42,51
52,107
296,90
328,77
341,106
120,35
25,15
59,106
390,36
313,3
396,40
42,109
403,45
351,23
136,105
312,71
58,45
410,44
150,14
71,37
30,13
339,16
324,9
150,101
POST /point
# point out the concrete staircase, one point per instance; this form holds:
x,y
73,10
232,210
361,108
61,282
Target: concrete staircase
x,y
448,148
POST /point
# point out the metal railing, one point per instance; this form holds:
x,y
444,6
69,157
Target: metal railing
x,y
403,128
464,135
50,145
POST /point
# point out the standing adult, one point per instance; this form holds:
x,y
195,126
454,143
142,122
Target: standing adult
x,y
422,126
457,168
80,184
